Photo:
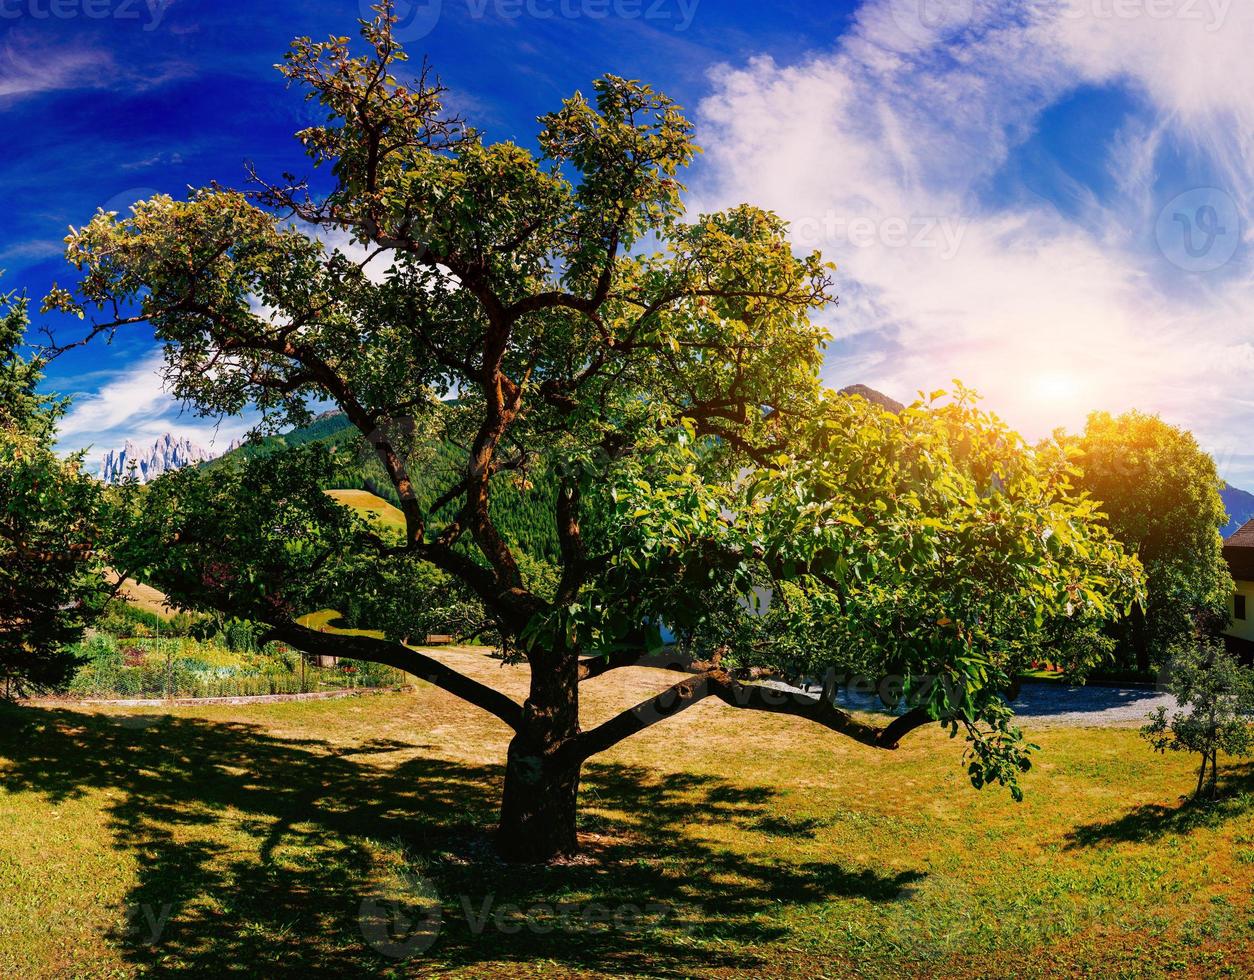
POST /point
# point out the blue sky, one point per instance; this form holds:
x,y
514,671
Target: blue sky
x,y
1049,200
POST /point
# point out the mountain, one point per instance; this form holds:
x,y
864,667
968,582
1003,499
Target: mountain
x,y
166,454
874,397
1240,507
329,427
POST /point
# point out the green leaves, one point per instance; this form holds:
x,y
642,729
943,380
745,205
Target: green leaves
x,y
1158,492
51,576
1216,706
261,541
664,372
932,546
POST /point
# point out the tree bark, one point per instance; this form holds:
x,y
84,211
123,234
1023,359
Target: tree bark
x,y
540,801
538,809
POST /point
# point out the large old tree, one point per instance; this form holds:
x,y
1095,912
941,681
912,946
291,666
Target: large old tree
x,y
554,316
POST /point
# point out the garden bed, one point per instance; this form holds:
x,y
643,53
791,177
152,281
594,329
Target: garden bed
x,y
347,692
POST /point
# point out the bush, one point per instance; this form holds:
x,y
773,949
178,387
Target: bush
x,y
240,635
123,620
364,673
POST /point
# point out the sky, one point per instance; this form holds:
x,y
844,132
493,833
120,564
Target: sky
x,y
1048,200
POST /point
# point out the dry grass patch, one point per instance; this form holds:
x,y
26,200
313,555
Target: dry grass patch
x,y
749,845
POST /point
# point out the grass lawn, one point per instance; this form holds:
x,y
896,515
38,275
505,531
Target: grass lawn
x,y
258,838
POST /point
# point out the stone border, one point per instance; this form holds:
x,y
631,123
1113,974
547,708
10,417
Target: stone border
x,y
347,692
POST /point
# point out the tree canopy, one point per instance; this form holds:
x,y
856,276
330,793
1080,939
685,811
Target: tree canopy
x,y
1160,493
1216,705
662,370
50,582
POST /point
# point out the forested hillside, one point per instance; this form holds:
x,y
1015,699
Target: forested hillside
x,y
522,507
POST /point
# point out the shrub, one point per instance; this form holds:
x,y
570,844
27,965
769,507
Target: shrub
x,y
1218,694
192,668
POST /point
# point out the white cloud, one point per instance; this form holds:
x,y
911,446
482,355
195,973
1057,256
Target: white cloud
x,y
134,404
27,70
133,395
897,128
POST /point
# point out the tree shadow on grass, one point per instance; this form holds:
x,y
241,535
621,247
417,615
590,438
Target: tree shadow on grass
x,y
1152,821
265,855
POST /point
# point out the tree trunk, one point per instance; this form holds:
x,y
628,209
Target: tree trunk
x,y
539,804
537,810
1140,637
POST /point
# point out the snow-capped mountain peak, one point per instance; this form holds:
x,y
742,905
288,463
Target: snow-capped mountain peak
x,y
166,454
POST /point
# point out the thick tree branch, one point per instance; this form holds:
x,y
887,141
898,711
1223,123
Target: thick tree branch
x,y
754,697
402,658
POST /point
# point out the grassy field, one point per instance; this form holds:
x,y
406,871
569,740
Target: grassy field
x,y
374,509
261,838
141,596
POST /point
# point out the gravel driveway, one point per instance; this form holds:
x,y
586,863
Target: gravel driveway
x,y
1049,703
1062,704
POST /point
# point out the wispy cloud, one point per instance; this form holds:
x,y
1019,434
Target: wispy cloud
x,y
29,68
133,404
31,250
1049,310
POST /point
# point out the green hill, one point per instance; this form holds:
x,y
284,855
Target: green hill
x,y
524,511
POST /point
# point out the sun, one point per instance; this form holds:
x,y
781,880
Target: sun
x,y
1055,387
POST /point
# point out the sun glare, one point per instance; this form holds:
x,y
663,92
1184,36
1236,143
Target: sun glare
x,y
1055,388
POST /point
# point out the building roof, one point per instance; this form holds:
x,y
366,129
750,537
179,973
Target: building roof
x,y
1239,552
1242,537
